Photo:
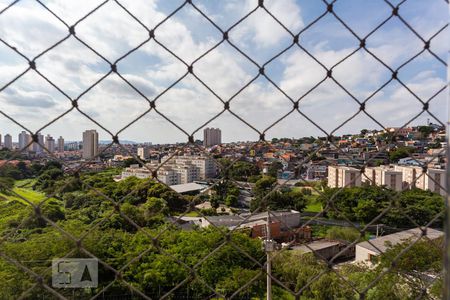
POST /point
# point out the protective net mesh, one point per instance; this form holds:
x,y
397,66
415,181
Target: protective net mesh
x,y
143,250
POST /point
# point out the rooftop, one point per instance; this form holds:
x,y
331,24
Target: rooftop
x,y
381,244
315,245
187,187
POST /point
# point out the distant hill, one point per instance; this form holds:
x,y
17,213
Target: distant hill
x,y
106,142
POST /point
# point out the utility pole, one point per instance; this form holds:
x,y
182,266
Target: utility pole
x,y
268,245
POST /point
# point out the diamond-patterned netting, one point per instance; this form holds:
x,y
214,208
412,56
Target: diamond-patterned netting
x,y
152,247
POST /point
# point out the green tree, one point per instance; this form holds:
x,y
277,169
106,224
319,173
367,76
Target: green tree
x,y
273,169
400,152
297,271
343,233
425,130
6,184
363,204
231,201
265,184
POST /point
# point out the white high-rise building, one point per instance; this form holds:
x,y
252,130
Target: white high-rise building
x,y
90,144
142,153
411,177
24,139
60,144
211,137
342,176
8,142
383,176
50,143
435,181
206,165
37,147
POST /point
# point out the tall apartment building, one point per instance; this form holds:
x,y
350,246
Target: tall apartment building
x,y
211,137
1,144
24,139
206,165
90,144
169,176
383,176
74,146
435,181
60,144
50,143
188,172
37,147
411,177
142,153
8,141
341,176
178,170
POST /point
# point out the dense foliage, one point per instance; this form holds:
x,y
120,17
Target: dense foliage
x,y
286,198
409,278
239,170
83,205
363,204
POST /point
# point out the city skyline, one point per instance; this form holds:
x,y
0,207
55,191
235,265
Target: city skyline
x,y
189,104
126,141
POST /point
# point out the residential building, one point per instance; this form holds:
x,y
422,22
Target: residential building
x,y
176,170
142,153
191,188
24,140
435,181
8,142
165,174
168,176
366,252
136,171
316,171
50,143
408,161
71,146
188,172
411,177
326,249
37,147
60,144
342,176
207,166
211,137
383,176
90,144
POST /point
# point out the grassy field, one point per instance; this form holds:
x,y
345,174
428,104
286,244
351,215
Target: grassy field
x,y
192,214
25,183
313,205
23,189
30,195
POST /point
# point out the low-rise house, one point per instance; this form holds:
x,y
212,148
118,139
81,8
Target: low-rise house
x,y
367,251
327,249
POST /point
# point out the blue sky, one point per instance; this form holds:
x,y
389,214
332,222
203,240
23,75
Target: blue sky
x,y
73,68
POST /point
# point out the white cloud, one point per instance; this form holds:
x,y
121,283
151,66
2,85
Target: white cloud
x,y
74,68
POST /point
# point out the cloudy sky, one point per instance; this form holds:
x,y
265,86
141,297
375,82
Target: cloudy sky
x,y
73,68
